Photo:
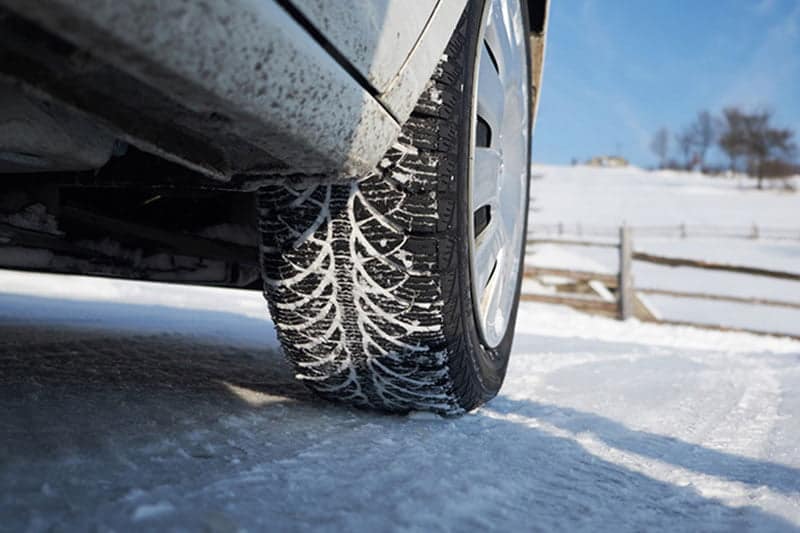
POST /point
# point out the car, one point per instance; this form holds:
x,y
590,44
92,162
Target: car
x,y
365,163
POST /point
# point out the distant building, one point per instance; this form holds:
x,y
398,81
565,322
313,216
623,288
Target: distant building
x,y
608,161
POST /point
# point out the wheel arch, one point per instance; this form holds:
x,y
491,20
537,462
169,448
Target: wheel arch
x,y
538,16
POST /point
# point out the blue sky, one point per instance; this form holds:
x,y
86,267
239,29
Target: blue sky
x,y
617,70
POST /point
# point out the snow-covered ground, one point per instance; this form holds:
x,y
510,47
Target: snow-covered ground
x,y
129,407
605,197
610,196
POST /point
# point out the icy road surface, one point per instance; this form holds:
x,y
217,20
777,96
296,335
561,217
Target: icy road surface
x,y
127,407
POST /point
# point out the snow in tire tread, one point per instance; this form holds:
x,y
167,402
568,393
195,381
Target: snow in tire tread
x,y
356,273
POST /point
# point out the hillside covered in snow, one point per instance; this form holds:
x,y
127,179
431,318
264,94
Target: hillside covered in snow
x,y
592,202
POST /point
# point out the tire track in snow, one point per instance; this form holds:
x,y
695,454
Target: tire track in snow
x,y
731,493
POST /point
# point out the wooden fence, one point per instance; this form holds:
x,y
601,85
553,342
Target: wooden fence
x,y
683,231
615,294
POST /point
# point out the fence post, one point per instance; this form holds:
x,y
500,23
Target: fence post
x,y
625,290
684,233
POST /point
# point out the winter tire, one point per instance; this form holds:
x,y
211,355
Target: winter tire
x,y
399,290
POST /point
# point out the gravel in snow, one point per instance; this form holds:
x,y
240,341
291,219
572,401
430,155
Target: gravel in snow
x,y
127,406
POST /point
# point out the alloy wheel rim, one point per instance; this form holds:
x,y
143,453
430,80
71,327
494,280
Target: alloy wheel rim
x,y
500,136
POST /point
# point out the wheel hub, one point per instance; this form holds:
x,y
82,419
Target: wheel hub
x,y
500,137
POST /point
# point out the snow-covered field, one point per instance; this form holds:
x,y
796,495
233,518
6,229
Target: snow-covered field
x,y
610,196
133,407
607,197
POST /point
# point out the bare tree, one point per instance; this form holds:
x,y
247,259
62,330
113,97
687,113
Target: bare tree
x,y
686,141
766,145
703,133
660,145
733,140
751,136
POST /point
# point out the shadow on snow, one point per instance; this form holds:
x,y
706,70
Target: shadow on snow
x,y
106,377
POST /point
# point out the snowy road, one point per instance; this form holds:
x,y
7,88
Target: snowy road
x,y
126,407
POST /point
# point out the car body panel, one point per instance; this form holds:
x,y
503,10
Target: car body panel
x,y
236,88
538,46
376,37
401,96
102,98
394,44
242,71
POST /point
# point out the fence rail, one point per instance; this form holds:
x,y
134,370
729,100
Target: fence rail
x,y
625,301
577,275
576,302
753,231
572,242
719,297
708,265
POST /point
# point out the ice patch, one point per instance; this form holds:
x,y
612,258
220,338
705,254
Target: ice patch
x,y
423,415
401,177
436,96
150,511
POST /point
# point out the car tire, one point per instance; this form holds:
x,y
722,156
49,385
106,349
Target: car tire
x,y
370,282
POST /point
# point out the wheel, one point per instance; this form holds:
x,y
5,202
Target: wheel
x,y
399,291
